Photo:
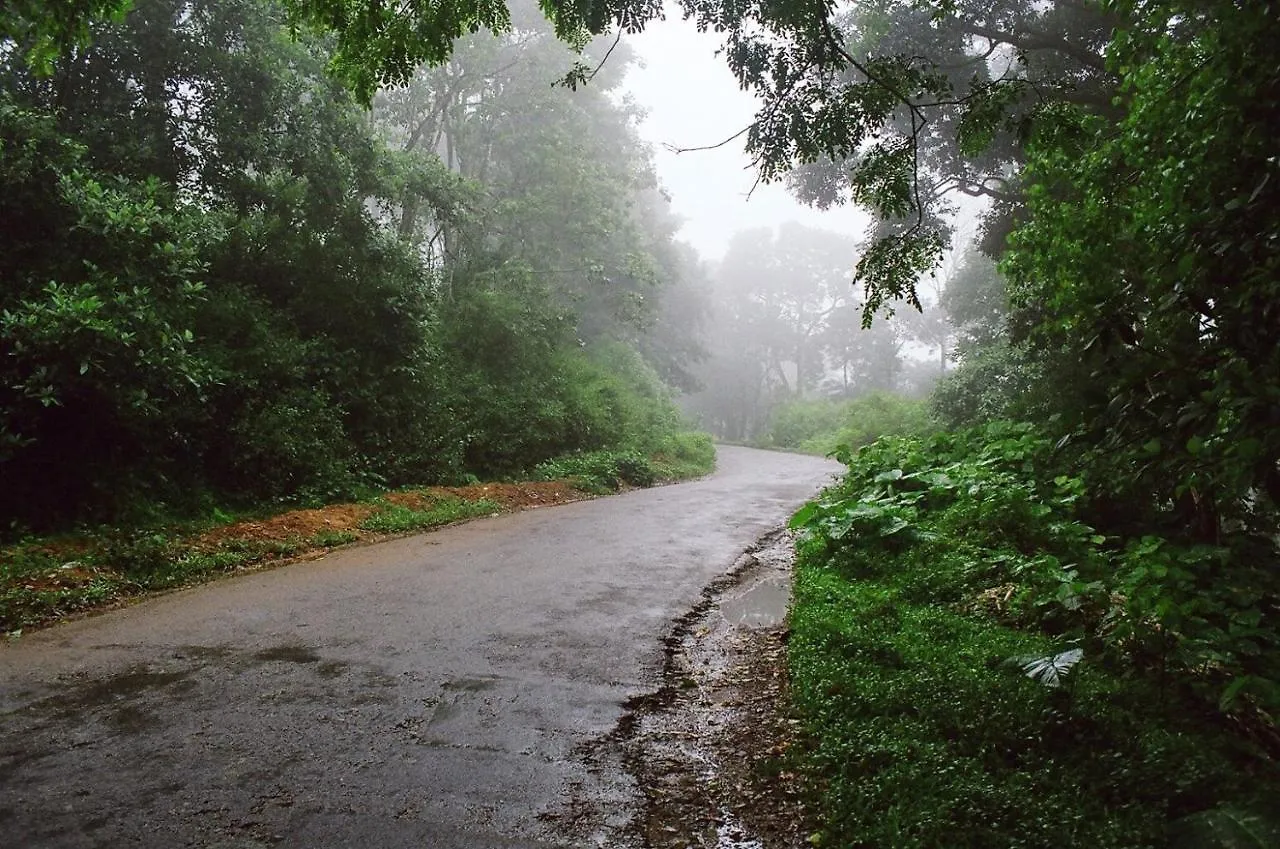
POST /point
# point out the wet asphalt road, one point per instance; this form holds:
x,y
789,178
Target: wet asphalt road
x,y
434,691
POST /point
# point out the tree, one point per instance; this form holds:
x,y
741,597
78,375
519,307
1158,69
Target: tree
x,y
1145,276
222,280
862,359
43,30
892,105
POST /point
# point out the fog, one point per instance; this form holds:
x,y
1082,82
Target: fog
x,y
692,100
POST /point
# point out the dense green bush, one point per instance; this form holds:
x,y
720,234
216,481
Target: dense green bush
x,y
998,381
599,471
794,423
980,665
684,454
676,456
219,311
819,426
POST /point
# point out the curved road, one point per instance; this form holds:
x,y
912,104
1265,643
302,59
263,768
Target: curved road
x,y
436,691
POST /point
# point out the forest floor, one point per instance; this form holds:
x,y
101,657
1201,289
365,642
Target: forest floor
x,y
48,580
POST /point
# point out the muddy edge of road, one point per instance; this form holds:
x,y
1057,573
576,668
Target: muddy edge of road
x,y
708,749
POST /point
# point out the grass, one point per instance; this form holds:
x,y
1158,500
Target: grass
x,y
37,587
923,734
398,519
334,539
42,581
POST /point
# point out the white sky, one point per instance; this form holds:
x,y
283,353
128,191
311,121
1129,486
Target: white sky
x,y
692,99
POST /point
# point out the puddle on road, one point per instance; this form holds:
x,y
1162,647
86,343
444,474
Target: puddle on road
x,y
696,747
288,654
760,605
730,834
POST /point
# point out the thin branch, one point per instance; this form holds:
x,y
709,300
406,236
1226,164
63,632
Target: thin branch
x,y
862,69
918,119
718,144
607,54
980,189
1033,41
968,63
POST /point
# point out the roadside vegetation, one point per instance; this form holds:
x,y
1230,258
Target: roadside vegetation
x,y
820,426
1052,622
979,665
44,579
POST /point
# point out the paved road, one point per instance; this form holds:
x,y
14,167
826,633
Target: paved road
x,y
435,691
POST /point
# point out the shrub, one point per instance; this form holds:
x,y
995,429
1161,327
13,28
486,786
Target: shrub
x,y
684,454
796,422
818,427
599,471
996,382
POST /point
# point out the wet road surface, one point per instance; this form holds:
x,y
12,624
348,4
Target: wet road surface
x,y
433,691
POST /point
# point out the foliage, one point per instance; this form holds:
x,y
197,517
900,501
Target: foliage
x,y
998,381
794,423
677,456
976,303
892,105
819,427
223,284
1131,532
1159,335
599,471
940,584
43,30
1031,526
682,455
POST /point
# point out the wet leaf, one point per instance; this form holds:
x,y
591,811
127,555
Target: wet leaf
x,y
1050,670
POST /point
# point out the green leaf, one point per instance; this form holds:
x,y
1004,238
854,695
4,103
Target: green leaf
x,y
1050,670
896,524
1225,828
804,515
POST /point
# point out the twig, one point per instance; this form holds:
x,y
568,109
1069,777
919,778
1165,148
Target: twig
x,y
608,53
718,144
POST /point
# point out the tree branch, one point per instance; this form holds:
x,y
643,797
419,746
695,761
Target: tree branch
x,y
718,144
918,118
1034,41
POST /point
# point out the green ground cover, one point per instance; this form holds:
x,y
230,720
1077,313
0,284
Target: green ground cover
x,y
976,666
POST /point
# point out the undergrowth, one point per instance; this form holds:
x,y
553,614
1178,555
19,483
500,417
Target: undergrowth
x,y
677,457
397,518
43,579
818,426
978,666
